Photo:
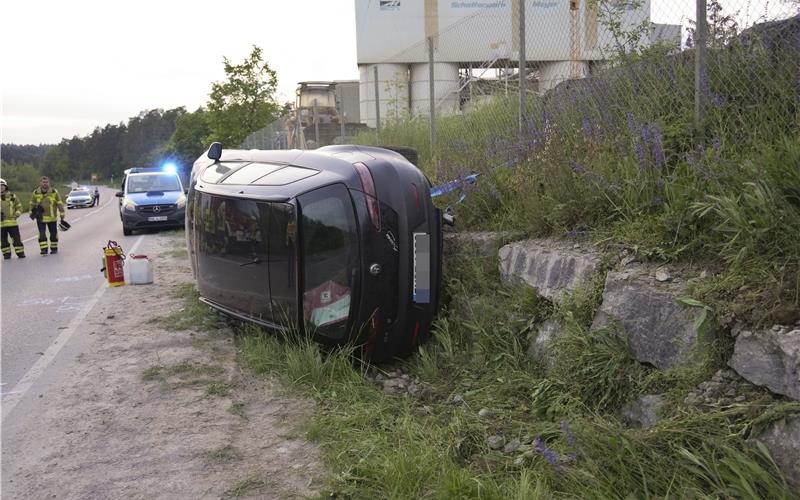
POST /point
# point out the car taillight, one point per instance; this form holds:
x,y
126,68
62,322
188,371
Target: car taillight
x,y
368,185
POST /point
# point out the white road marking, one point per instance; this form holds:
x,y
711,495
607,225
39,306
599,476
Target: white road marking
x,y
16,394
73,221
77,278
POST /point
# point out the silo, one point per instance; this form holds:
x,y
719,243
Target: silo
x,y
446,83
392,91
555,72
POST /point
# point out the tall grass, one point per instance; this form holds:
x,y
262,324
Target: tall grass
x,y
387,446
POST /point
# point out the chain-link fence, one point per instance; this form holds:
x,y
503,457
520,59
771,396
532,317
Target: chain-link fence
x,y
614,100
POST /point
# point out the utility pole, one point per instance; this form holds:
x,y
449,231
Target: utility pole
x,y
700,68
523,68
377,102
431,88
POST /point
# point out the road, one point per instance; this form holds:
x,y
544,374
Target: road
x,y
42,295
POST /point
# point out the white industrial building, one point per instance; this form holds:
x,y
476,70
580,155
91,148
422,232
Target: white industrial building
x,y
474,42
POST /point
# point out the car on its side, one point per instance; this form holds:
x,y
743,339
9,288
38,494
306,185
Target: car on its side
x,y
79,198
151,197
343,243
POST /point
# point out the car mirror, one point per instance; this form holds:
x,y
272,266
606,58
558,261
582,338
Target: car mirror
x,y
119,194
215,151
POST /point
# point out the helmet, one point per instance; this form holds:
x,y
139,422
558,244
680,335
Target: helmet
x,y
3,183
64,225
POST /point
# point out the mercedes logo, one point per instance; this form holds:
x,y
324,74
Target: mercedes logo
x,y
156,209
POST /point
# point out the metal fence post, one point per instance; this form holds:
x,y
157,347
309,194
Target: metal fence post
x,y
523,68
377,103
432,99
700,68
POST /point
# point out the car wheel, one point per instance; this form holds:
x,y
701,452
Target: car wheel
x,y
127,231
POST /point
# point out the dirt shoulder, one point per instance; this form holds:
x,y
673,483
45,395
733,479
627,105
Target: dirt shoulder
x,y
149,412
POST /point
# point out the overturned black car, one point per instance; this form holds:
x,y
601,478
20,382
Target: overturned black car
x,y
342,243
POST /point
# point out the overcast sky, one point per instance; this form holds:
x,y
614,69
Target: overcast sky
x,y
69,66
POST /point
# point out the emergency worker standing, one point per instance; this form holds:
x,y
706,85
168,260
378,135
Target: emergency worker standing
x,y
11,210
96,197
44,203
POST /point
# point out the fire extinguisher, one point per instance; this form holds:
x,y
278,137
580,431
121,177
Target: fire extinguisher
x,y
113,262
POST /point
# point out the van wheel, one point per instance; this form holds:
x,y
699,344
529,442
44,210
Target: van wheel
x,y
127,231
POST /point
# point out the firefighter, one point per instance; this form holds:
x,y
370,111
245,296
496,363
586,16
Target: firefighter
x,y
11,210
44,203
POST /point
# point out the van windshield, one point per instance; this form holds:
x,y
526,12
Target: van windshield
x,y
329,253
153,182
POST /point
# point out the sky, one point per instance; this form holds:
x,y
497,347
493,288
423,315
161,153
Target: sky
x,y
68,67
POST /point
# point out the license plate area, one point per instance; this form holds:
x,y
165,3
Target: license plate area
x,y
157,218
422,268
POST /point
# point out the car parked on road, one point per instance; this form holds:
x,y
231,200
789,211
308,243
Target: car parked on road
x,y
342,242
79,198
151,197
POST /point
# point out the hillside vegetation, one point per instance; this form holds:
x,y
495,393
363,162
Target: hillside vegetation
x,y
615,158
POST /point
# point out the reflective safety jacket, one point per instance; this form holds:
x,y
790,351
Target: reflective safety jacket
x,y
49,201
11,208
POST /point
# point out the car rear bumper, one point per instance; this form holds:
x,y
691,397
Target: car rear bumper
x,y
79,203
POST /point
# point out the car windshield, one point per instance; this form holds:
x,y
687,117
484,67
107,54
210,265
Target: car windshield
x,y
79,193
153,182
329,252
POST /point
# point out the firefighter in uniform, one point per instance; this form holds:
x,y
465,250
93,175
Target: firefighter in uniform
x,y
11,210
44,203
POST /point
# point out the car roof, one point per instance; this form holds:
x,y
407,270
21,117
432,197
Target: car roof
x,y
329,164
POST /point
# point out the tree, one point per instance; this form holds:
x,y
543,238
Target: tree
x,y
244,102
190,136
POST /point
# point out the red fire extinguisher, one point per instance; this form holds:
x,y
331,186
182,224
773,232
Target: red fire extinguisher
x,y
113,262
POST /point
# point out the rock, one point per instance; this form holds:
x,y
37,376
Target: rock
x,y
782,439
662,275
379,377
770,359
414,389
630,259
484,413
458,399
660,331
495,442
740,399
394,386
642,412
511,446
482,244
538,346
552,267
704,274
520,460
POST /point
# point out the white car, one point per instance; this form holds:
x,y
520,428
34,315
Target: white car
x,y
80,198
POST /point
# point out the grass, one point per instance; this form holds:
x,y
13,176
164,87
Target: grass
x,y
225,453
244,487
384,446
193,315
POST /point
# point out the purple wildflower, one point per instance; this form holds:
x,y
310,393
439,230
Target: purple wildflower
x,y
567,432
718,100
586,125
631,124
657,146
639,151
546,452
577,168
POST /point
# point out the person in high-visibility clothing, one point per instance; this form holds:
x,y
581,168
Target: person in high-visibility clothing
x,y
44,203
11,210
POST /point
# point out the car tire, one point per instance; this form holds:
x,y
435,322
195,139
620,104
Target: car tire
x,y
127,231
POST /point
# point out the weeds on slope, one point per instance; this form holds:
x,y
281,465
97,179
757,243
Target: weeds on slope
x,y
435,445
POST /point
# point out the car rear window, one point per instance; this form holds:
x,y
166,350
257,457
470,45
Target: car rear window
x,y
79,193
329,253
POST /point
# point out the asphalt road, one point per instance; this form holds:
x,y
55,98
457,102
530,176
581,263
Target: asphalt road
x,y
41,295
